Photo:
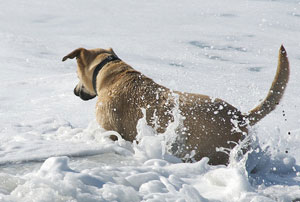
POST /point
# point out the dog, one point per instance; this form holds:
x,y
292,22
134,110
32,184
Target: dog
x,y
209,126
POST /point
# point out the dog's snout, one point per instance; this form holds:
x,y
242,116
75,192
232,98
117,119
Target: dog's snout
x,y
76,91
81,92
85,96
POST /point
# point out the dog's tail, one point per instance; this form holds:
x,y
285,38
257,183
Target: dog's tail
x,y
276,91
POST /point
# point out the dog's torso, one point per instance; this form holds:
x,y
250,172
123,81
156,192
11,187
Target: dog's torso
x,y
120,107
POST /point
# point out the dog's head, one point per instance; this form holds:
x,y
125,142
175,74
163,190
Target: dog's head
x,y
87,60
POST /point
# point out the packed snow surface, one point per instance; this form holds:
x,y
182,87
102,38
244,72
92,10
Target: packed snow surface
x,y
52,149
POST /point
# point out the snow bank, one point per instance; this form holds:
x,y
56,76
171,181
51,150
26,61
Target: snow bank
x,y
123,171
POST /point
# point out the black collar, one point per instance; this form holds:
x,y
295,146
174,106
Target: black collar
x,y
99,67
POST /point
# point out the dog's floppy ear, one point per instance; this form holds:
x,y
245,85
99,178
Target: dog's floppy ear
x,y
75,53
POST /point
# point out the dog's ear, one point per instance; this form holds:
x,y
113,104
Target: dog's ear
x,y
75,53
112,51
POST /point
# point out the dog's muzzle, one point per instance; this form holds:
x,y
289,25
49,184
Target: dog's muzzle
x,y
81,92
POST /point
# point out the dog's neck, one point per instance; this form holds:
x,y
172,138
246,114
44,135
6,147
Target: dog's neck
x,y
108,59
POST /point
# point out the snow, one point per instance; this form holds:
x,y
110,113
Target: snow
x,y
51,147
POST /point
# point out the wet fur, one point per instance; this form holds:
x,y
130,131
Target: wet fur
x,y
208,123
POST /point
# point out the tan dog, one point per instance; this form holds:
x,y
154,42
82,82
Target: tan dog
x,y
208,124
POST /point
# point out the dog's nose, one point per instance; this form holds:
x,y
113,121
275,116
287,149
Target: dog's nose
x,y
76,92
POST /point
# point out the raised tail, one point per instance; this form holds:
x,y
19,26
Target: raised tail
x,y
276,91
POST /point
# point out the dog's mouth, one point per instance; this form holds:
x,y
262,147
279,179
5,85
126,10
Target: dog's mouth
x,y
81,92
